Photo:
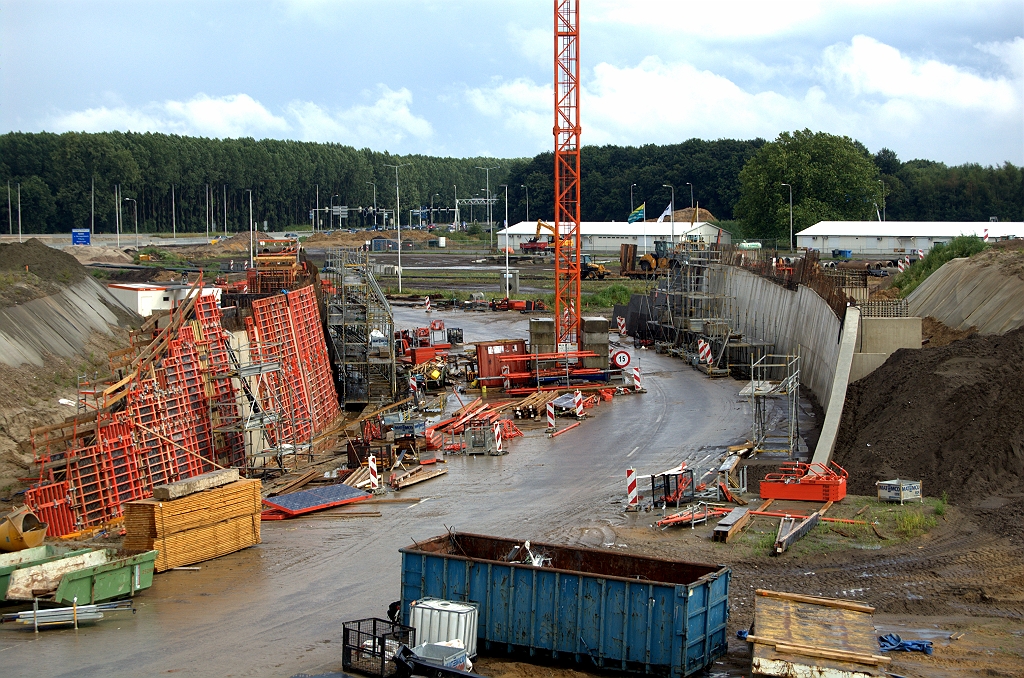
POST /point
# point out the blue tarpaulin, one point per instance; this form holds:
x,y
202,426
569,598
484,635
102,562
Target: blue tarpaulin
x,y
891,642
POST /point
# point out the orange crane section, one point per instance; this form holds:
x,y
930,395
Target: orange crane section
x,y
567,174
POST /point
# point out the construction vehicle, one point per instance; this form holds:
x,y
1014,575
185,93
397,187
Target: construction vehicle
x,y
534,246
589,268
647,265
277,264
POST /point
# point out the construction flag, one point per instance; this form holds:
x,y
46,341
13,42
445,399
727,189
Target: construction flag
x,y
637,214
666,213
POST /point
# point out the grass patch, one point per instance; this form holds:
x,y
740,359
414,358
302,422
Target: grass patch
x,y
960,246
160,256
940,505
910,524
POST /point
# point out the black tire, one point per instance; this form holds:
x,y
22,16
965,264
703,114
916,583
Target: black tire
x,y
600,277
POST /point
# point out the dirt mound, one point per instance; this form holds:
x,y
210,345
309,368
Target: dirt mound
x,y
236,244
935,333
1007,255
46,263
92,254
359,238
952,416
686,214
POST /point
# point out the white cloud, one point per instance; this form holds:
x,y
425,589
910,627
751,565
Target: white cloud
x,y
865,89
867,66
536,44
1011,53
387,121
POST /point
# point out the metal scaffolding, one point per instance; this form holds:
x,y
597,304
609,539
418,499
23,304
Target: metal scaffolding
x,y
774,378
360,327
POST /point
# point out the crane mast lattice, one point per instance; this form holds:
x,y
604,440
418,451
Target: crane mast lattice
x,y
567,175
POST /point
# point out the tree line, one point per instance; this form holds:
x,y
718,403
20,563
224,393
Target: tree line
x,y
739,181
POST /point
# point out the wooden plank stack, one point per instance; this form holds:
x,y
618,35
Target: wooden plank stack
x,y
196,527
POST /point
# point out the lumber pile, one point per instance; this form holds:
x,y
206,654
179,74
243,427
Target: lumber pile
x,y
196,527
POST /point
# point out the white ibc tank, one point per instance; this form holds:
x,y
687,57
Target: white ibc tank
x,y
438,621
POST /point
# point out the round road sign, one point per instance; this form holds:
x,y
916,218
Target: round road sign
x,y
620,359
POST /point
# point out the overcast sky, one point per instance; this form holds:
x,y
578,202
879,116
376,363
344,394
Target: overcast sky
x,y
936,80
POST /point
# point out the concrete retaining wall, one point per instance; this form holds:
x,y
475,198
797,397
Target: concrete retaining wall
x,y
797,322
885,335
964,293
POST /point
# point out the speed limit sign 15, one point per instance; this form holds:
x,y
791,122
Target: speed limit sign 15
x,y
620,359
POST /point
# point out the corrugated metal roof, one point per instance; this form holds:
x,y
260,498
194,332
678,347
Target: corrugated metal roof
x,y
612,228
915,229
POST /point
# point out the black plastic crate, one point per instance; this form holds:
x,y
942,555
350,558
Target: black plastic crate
x,y
369,644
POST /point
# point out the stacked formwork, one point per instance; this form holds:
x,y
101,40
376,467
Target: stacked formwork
x,y
161,421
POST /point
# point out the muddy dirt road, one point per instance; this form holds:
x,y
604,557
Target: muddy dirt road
x,y
277,609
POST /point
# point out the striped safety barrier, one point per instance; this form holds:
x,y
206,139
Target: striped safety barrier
x,y
901,265
427,304
622,325
631,494
497,437
577,400
920,254
371,462
551,416
637,383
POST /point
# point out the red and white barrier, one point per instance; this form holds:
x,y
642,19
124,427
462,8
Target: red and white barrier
x,y
985,235
412,385
632,499
551,416
637,383
427,304
577,400
704,351
901,266
497,437
920,254
371,462
622,321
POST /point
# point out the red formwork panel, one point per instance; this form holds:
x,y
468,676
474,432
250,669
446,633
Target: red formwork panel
x,y
93,499
312,349
116,442
52,505
183,375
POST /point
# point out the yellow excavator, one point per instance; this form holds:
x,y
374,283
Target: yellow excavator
x,y
588,267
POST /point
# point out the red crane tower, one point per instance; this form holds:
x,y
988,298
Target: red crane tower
x,y
567,175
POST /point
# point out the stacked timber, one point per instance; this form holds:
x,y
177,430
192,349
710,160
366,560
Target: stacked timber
x,y
202,518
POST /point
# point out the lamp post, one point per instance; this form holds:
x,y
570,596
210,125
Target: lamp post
x,y
527,200
398,222
790,216
135,209
631,186
456,206
506,240
883,198
691,194
374,204
490,229
19,211
330,223
249,191
436,195
672,217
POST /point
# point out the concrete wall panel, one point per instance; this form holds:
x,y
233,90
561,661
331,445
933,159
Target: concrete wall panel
x,y
885,335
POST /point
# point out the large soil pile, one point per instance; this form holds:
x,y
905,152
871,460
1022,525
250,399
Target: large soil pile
x,y
951,416
45,262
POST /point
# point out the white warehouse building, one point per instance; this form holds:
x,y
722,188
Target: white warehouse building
x,y
608,236
884,238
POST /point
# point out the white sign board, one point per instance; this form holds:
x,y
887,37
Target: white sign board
x,y
899,490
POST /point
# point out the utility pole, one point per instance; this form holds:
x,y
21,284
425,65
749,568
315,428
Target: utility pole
x,y
790,216
490,221
10,216
398,221
19,212
92,212
117,213
207,211
174,222
225,210
317,220
527,200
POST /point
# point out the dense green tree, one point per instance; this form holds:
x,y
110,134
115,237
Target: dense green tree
x,y
833,178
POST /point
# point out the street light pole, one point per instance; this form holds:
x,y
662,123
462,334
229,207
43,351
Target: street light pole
x,y
249,191
330,223
506,240
883,198
631,198
398,222
691,194
456,206
790,216
19,211
672,208
135,210
490,221
527,200
374,204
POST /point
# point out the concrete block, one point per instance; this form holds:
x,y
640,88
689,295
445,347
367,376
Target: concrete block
x,y
206,481
595,324
866,363
885,335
